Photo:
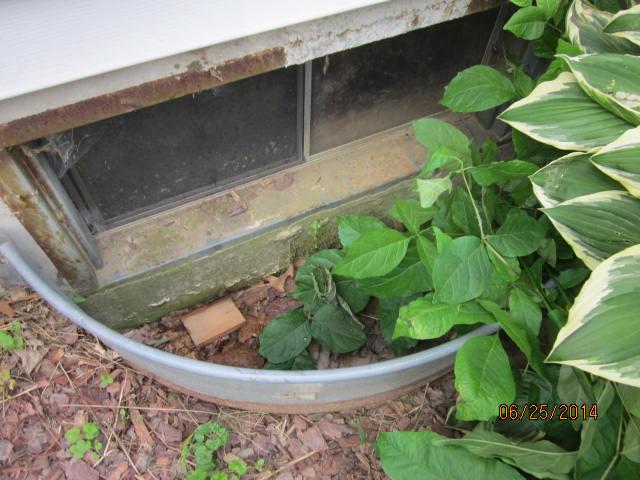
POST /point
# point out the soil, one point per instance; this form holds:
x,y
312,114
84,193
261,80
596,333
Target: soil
x,y
59,384
260,303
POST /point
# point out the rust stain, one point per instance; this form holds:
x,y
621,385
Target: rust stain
x,y
25,206
146,94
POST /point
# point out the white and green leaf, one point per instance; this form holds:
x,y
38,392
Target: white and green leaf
x,y
611,80
626,24
598,225
620,160
602,334
569,177
549,116
585,25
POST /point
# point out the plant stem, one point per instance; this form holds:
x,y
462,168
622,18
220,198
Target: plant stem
x,y
473,203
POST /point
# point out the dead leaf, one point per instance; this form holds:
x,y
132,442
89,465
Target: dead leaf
x,y
142,432
312,439
29,359
79,470
7,310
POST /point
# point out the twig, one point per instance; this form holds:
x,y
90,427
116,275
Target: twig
x,y
115,421
291,464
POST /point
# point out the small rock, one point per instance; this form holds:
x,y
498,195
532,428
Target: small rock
x,y
79,470
6,448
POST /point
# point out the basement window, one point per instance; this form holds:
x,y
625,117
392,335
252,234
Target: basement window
x,y
149,160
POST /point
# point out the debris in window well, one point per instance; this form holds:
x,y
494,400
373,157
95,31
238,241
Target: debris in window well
x,y
214,321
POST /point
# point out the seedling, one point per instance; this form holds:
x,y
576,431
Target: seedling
x,y
84,439
200,448
105,380
12,339
6,382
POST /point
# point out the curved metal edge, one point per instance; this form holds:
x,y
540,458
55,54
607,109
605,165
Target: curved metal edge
x,y
145,354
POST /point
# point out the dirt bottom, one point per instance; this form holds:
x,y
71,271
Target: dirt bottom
x,y
63,378
261,303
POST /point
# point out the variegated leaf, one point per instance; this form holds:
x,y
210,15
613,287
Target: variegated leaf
x,y
599,225
548,115
569,177
611,80
585,25
621,160
602,334
626,24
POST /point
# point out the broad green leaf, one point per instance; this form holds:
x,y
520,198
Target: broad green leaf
x,y
463,214
483,378
522,3
611,80
627,470
507,268
545,46
542,458
461,272
630,397
524,83
443,240
348,290
572,277
301,362
285,337
408,278
430,189
550,7
549,116
434,134
423,320
388,311
527,23
411,214
620,160
570,390
427,252
334,329
519,333
569,177
518,236
599,225
351,228
476,89
446,159
585,25
374,254
525,311
502,171
631,443
417,456
598,438
602,334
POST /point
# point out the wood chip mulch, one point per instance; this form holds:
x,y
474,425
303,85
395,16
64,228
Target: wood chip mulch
x,y
58,386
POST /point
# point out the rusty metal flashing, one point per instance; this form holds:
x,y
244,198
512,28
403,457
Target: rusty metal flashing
x,y
195,79
89,100
23,195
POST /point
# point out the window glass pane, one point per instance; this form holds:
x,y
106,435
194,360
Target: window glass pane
x,y
374,87
155,156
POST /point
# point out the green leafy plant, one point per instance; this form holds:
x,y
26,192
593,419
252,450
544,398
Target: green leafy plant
x,y
84,440
12,338
105,380
587,105
7,383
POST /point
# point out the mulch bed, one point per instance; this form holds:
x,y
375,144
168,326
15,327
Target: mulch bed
x,y
57,386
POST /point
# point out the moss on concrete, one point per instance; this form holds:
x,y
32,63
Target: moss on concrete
x,y
152,295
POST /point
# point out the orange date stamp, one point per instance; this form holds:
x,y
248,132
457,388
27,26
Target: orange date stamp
x,y
545,411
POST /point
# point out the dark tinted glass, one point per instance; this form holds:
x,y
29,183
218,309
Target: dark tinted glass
x,y
371,88
151,157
